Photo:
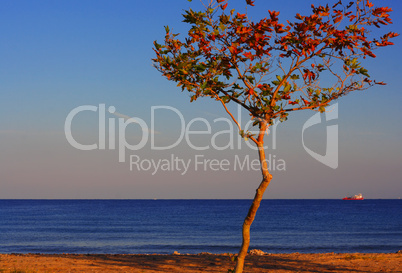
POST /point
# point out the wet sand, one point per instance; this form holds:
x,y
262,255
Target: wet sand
x,y
295,262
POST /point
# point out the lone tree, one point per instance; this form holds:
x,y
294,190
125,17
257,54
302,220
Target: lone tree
x,y
272,68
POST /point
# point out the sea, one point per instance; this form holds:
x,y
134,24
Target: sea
x,y
195,226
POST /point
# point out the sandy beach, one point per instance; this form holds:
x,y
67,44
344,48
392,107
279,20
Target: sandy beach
x,y
295,262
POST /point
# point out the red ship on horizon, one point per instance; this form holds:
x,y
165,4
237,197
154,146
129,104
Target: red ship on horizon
x,y
354,197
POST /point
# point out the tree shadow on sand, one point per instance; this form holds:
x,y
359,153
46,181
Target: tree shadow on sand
x,y
211,263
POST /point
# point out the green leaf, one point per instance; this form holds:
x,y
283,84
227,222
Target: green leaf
x,y
282,119
167,29
364,71
200,67
275,82
294,77
250,78
157,46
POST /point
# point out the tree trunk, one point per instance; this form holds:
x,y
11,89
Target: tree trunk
x,y
253,209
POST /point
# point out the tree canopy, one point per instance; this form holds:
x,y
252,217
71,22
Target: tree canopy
x,y
272,68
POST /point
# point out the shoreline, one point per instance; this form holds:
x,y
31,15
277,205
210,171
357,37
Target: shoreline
x,y
202,262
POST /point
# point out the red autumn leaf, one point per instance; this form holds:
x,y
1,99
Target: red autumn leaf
x,y
250,2
241,16
338,19
273,14
248,55
298,16
250,92
233,50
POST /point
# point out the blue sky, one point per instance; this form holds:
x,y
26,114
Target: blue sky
x,y
58,55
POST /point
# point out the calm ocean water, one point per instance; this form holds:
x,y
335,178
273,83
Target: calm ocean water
x,y
193,226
